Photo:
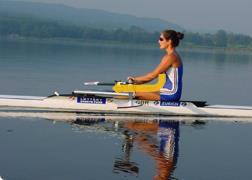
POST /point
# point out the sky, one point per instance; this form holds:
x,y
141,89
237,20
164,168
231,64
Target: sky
x,y
196,15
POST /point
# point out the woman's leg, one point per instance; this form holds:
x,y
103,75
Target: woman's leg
x,y
152,96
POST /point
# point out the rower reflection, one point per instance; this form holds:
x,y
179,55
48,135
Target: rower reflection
x,y
158,139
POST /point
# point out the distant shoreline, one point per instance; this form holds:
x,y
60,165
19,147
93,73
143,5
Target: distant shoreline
x,y
151,46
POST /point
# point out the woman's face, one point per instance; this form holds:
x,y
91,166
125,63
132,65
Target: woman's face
x,y
163,43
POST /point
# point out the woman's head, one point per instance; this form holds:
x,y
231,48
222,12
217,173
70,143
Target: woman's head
x,y
170,37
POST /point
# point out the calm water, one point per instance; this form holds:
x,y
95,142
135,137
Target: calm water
x,y
70,146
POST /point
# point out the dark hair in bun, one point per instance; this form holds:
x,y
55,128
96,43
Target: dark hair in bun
x,y
180,35
174,36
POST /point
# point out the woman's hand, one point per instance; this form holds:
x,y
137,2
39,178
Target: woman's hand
x,y
131,80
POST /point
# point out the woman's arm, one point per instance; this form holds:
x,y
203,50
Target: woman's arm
x,y
165,63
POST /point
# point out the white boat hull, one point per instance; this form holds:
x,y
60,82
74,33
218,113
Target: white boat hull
x,y
120,106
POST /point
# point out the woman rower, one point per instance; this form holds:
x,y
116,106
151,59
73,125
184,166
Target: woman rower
x,y
170,64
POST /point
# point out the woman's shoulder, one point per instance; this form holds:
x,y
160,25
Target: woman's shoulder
x,y
174,59
174,55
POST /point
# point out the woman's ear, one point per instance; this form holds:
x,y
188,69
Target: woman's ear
x,y
169,42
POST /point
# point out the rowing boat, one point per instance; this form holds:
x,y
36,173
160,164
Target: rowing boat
x,y
119,103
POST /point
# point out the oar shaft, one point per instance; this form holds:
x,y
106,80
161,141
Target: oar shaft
x,y
106,84
98,84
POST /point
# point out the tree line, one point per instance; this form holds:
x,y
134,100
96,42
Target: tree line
x,y
38,28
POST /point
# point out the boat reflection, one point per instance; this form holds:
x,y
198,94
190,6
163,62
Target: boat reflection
x,y
123,162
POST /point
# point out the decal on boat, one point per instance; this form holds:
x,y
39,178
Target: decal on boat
x,y
142,102
169,103
91,100
109,100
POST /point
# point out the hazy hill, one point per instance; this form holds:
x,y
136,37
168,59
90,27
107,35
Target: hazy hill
x,y
84,17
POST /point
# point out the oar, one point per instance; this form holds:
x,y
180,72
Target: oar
x,y
97,83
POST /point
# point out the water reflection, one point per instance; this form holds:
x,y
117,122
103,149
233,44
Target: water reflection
x,y
123,162
158,139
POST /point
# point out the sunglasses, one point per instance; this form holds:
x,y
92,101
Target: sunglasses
x,y
161,39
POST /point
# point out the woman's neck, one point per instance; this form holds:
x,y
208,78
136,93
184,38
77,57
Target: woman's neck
x,y
170,50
